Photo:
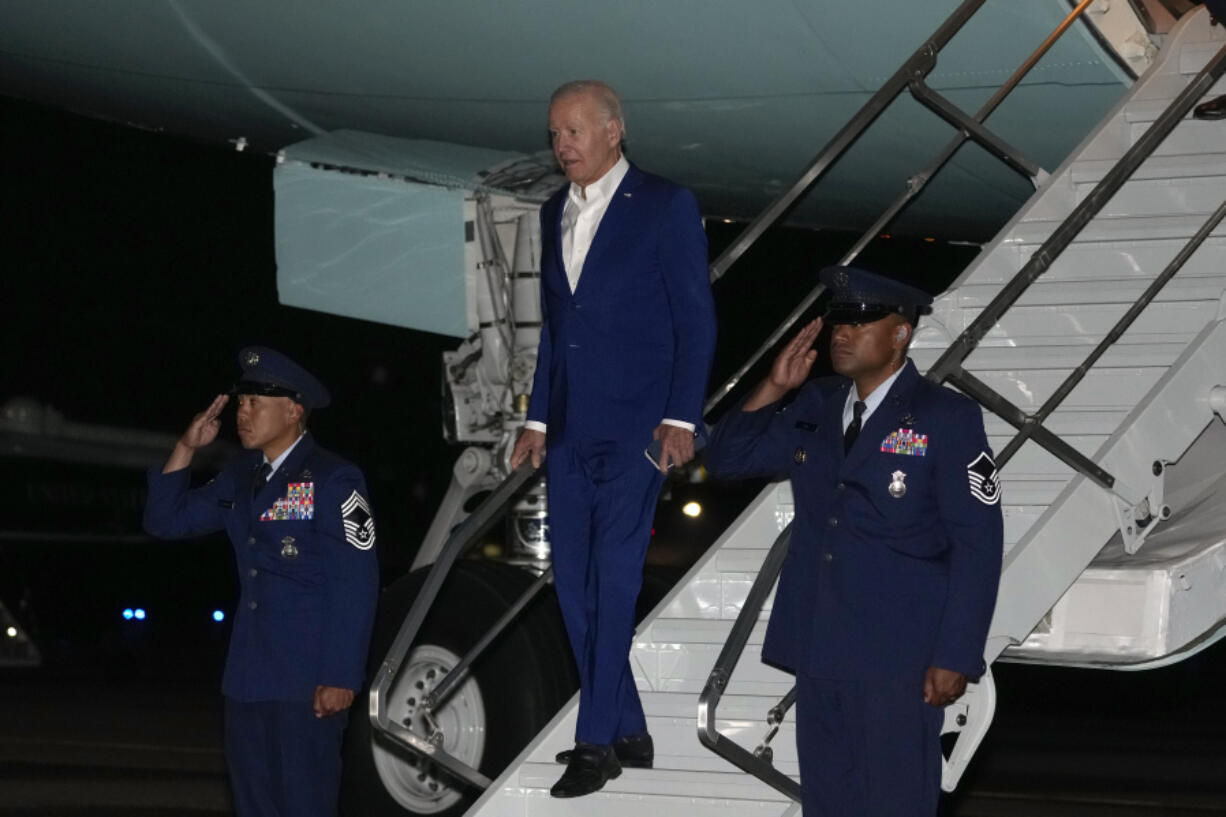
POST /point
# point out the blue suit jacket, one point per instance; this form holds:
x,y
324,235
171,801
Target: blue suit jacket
x,y
307,604
633,344
876,586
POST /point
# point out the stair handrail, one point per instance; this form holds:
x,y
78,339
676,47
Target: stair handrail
x,y
909,76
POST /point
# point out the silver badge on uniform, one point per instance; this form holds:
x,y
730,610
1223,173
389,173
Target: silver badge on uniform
x,y
252,359
288,549
897,486
800,456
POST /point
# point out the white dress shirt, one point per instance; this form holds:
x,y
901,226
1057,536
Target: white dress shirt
x,y
283,457
580,219
871,402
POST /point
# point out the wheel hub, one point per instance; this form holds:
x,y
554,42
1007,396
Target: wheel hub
x,y
413,780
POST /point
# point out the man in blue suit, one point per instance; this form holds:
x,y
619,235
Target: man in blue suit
x,y
626,345
889,584
303,538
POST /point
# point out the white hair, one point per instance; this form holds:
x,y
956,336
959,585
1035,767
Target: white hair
x,y
602,92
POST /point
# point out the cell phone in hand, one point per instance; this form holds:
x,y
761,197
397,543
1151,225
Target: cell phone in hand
x,y
652,452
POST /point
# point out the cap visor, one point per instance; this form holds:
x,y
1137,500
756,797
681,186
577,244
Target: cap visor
x,y
266,389
843,313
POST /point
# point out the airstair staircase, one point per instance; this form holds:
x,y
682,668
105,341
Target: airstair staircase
x,y
1137,411
1105,576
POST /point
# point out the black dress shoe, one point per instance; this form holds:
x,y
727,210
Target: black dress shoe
x,y
590,767
633,752
1213,109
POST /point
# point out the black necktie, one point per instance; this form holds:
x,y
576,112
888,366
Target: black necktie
x,y
853,428
260,476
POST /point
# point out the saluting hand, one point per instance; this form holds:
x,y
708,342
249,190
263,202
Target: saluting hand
x,y
205,425
790,369
200,432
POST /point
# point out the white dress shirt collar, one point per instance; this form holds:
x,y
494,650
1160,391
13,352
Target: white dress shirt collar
x,y
871,402
603,188
283,456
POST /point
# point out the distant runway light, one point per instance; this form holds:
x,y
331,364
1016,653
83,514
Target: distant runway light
x,y
127,614
139,612
11,632
691,509
218,615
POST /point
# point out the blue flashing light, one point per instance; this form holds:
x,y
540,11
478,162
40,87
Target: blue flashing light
x,y
219,615
127,614
139,612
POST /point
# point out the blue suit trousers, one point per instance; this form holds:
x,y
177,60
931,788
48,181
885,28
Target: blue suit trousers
x,y
283,761
602,501
867,748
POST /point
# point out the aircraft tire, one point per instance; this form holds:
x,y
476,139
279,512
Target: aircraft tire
x,y
516,686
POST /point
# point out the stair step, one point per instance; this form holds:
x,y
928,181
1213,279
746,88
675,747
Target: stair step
x,y
1195,56
671,721
1161,197
1073,294
1149,102
1191,136
1112,230
1051,325
694,631
1061,357
665,784
1084,261
684,667
1192,166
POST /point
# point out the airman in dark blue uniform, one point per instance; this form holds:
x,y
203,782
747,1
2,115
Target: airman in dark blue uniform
x,y
888,588
304,536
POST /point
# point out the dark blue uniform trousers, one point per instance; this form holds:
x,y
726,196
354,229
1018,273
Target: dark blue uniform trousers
x,y
283,761
867,748
602,500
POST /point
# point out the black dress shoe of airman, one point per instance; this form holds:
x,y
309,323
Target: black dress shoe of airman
x,y
633,752
1213,109
590,767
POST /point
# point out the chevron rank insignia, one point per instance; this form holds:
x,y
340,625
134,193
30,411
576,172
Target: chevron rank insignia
x,y
358,521
985,479
905,441
298,503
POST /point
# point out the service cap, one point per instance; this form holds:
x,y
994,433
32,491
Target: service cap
x,y
862,296
268,372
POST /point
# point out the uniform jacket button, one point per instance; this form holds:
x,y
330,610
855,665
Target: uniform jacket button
x,y
251,540
252,605
833,521
253,572
829,557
